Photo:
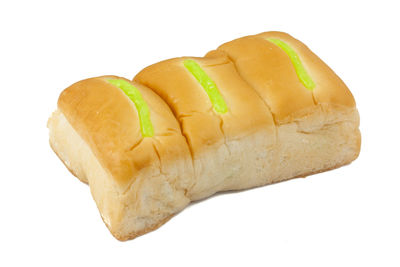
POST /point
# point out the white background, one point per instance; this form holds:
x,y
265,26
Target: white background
x,y
345,217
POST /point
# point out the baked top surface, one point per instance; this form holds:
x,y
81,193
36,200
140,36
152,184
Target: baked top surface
x,y
200,123
270,71
108,120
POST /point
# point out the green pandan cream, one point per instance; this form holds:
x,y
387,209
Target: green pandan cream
x,y
209,86
304,77
133,93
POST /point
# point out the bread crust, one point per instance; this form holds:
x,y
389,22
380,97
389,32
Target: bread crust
x,y
268,69
275,129
330,89
107,120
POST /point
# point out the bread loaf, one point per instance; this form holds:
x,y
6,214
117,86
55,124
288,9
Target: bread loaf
x,y
255,111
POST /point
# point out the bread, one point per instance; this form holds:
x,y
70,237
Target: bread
x,y
255,111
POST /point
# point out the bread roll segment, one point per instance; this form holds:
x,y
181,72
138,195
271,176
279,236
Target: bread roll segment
x,y
316,129
273,129
247,128
136,182
329,89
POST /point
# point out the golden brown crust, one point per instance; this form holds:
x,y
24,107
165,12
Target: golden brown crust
x,y
269,70
108,121
191,106
330,89
201,125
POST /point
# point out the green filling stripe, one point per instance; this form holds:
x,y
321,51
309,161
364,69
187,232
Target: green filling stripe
x,y
133,93
300,70
209,86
